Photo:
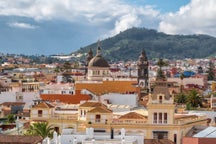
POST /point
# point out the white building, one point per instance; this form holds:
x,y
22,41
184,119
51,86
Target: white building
x,y
69,136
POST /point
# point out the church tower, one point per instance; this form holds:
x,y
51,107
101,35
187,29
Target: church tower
x,y
142,77
161,110
88,58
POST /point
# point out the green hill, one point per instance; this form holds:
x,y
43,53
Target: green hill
x,y
127,45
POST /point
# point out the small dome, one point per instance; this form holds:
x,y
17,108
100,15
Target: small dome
x,y
98,61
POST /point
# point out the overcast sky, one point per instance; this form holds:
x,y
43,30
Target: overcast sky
x,y
63,26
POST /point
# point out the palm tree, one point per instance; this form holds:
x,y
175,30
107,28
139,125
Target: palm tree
x,y
160,74
11,118
181,77
181,98
211,74
42,129
194,98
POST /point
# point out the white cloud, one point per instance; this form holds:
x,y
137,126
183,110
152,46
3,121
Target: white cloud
x,y
22,25
103,13
198,17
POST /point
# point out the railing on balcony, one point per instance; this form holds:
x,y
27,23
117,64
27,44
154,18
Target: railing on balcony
x,y
40,115
128,122
55,117
97,120
165,121
154,121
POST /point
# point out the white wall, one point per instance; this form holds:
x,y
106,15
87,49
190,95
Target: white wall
x,y
121,99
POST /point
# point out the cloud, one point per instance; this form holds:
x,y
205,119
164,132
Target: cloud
x,y
22,25
136,17
197,17
112,15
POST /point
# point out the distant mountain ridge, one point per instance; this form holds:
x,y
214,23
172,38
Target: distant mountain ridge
x,y
128,44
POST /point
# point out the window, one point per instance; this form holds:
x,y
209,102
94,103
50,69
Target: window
x,y
175,138
40,113
70,92
63,92
97,118
155,118
160,118
165,118
160,135
81,113
160,99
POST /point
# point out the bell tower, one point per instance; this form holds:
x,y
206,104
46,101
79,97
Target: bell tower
x,y
142,77
88,58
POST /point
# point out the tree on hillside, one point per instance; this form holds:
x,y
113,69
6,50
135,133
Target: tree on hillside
x,y
67,66
41,129
211,74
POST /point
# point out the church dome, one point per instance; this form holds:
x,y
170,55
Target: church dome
x,y
98,60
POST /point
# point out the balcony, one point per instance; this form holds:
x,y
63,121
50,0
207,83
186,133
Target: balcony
x,y
97,120
40,115
154,121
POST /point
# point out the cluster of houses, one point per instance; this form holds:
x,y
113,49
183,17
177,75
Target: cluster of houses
x,y
106,103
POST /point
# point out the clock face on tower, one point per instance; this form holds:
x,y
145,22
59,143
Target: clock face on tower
x,y
142,83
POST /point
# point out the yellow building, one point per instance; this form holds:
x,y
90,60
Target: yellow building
x,y
213,86
161,121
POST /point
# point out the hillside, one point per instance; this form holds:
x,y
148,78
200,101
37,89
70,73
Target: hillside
x,y
128,44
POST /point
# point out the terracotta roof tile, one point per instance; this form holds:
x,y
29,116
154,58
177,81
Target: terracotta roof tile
x,y
100,109
132,115
108,87
13,103
184,116
91,104
158,141
66,98
19,139
43,105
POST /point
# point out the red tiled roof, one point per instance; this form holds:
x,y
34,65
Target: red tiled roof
x,y
43,105
100,109
91,104
20,139
108,87
184,116
13,103
132,115
66,98
158,141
